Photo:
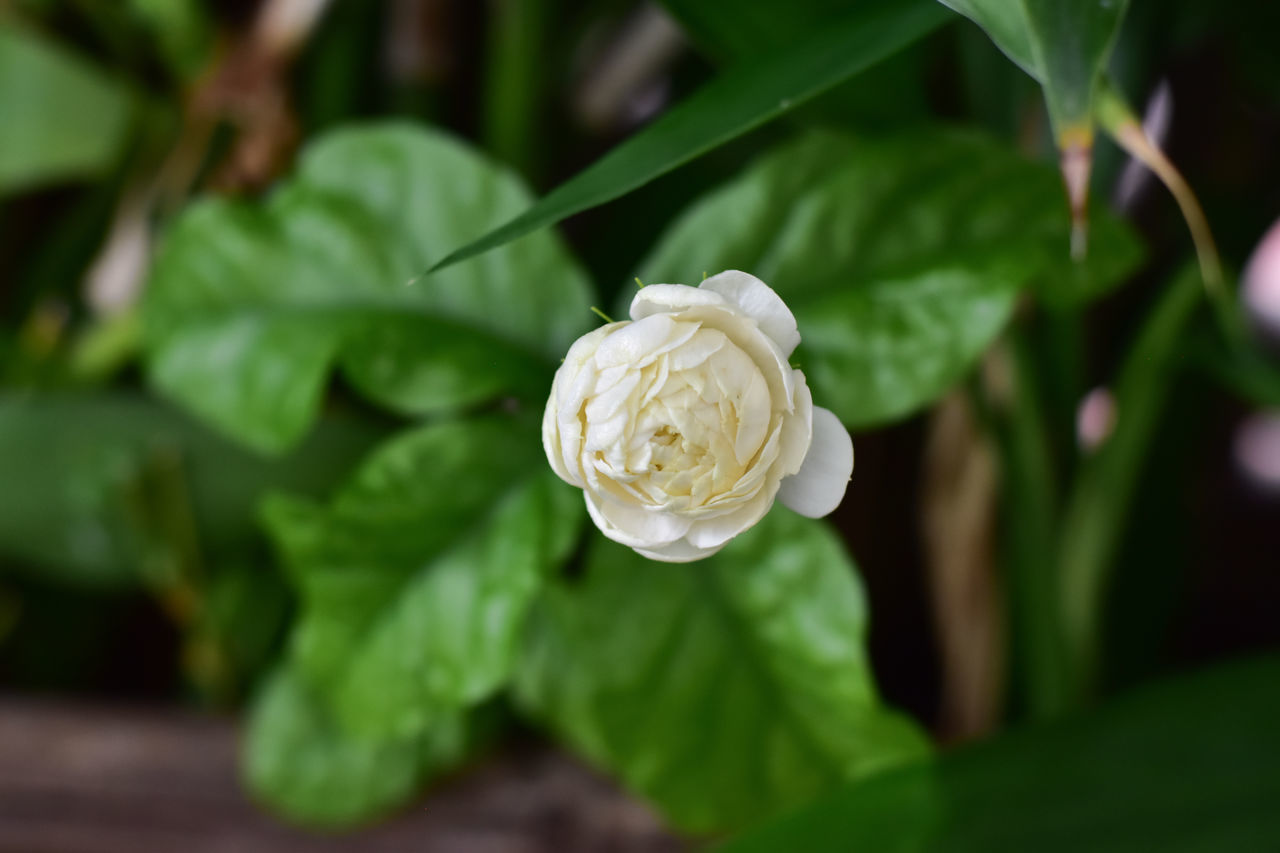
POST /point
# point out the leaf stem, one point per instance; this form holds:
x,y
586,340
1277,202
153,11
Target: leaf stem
x,y
1119,121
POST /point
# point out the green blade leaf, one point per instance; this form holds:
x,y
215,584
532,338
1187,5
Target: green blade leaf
x,y
901,258
250,306
303,766
1188,765
63,118
738,29
722,691
416,580
742,98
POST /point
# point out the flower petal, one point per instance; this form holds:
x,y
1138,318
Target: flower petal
x,y
715,532
635,526
758,301
679,551
818,487
797,430
668,298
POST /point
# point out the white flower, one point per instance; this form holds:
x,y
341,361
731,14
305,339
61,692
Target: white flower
x,y
682,425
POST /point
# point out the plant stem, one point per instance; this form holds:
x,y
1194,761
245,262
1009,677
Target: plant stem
x,y
514,81
1098,505
1030,498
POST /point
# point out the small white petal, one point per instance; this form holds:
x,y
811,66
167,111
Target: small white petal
x,y
551,442
759,347
679,551
669,298
797,430
758,301
715,532
818,487
635,526
632,342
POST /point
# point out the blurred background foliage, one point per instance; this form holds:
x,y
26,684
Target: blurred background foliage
x,y
257,453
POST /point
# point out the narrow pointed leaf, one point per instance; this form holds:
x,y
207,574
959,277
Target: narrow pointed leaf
x,y
744,97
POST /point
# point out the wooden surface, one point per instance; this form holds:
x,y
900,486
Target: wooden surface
x,y
88,780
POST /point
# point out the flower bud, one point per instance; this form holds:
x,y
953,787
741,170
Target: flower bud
x,y
683,424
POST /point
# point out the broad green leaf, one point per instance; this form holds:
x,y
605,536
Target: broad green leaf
x,y
300,764
901,258
63,118
91,485
416,581
722,691
744,97
1065,44
251,306
1188,766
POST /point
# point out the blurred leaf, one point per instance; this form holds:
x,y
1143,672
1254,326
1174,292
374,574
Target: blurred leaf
x,y
901,258
306,768
73,469
63,118
182,30
723,691
1065,44
244,611
1188,765
1247,370
745,28
746,96
417,579
250,306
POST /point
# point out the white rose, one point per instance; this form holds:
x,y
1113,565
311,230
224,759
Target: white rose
x,y
682,425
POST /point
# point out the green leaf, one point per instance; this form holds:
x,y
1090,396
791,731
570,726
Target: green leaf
x,y
722,691
1246,369
92,484
251,306
416,581
747,28
182,31
1188,765
901,258
747,96
63,118
1065,44
300,764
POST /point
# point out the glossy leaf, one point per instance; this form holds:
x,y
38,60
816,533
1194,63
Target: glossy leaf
x,y
251,306
416,580
303,766
901,259
744,97
1188,765
723,691
63,118
1065,44
87,482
